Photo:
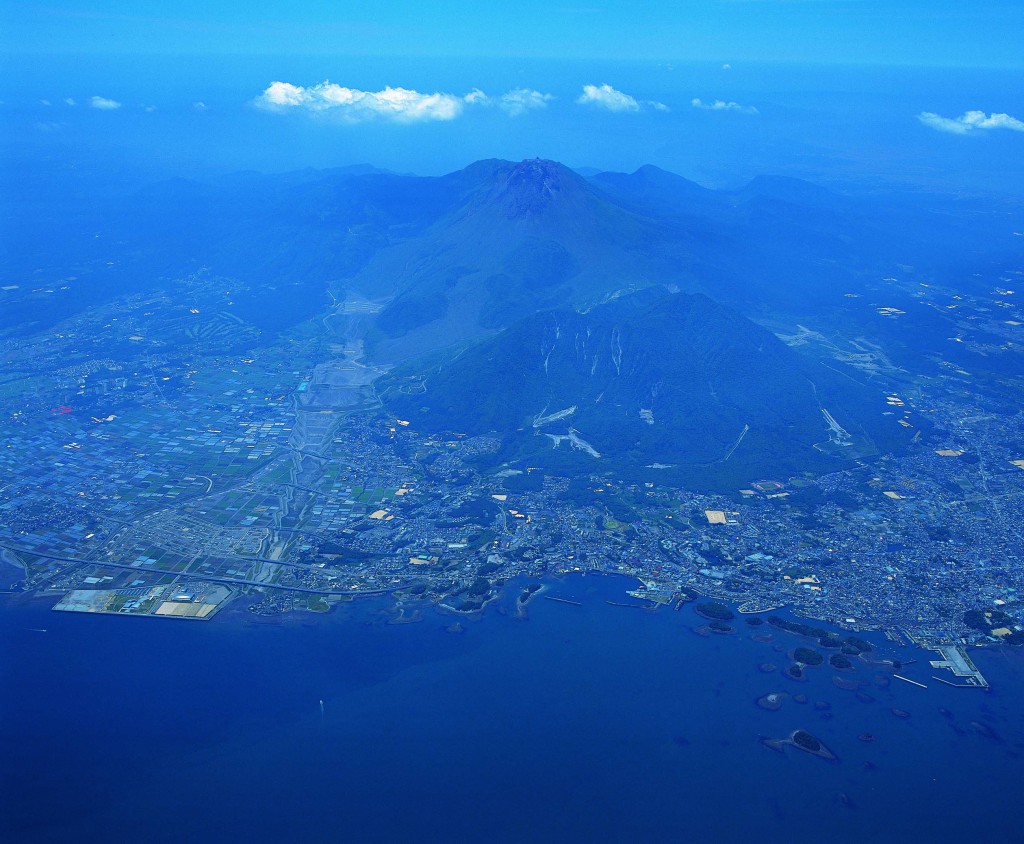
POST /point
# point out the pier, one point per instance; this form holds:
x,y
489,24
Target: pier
x,y
561,600
908,680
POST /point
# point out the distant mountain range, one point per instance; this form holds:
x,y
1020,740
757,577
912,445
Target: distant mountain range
x,y
467,253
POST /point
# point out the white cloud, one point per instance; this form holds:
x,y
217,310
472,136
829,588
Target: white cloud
x,y
970,121
284,94
401,105
200,106
726,67
605,96
658,106
722,105
45,102
521,100
69,101
103,103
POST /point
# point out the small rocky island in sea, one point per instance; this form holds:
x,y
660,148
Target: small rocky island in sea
x,y
802,740
806,656
714,611
848,645
796,672
772,701
530,592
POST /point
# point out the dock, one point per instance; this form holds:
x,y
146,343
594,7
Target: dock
x,y
893,635
908,680
955,659
631,606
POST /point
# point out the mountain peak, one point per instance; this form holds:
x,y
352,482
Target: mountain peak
x,y
789,189
530,186
534,169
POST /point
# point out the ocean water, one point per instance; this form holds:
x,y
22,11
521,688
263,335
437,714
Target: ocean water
x,y
591,723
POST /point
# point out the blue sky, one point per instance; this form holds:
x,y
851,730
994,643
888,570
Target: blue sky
x,y
980,33
848,92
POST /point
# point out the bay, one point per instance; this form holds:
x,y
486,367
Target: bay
x,y
578,723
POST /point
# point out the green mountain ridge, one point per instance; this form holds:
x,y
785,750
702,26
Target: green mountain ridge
x,y
653,378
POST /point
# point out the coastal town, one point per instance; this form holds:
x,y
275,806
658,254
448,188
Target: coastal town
x,y
143,477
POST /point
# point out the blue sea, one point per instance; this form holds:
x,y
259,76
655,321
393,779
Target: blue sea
x,y
578,723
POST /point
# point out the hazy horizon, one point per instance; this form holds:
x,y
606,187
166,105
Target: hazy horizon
x,y
861,128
